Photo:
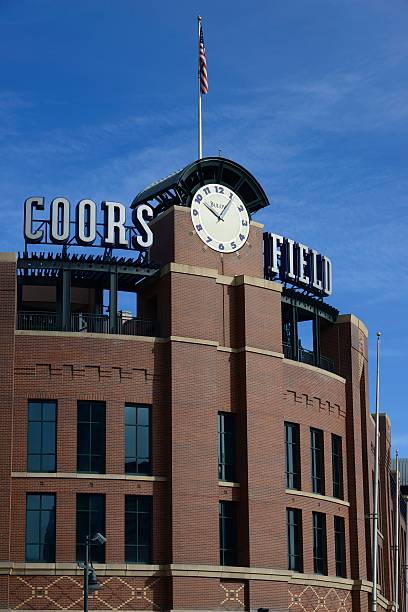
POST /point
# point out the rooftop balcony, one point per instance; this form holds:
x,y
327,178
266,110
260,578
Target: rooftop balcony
x,y
87,323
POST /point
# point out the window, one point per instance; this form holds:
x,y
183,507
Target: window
x,y
337,466
137,440
226,446
292,446
40,527
295,548
340,546
228,533
319,543
90,519
91,437
316,444
138,529
41,434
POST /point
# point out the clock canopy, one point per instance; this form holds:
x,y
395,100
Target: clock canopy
x,y
178,188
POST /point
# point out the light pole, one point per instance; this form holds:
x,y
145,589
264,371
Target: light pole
x,y
91,583
376,475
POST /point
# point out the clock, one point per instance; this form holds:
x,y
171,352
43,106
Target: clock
x,y
220,218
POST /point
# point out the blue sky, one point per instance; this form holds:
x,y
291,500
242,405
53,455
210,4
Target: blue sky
x,y
98,98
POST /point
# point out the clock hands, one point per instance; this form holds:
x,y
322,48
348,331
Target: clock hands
x,y
222,215
213,212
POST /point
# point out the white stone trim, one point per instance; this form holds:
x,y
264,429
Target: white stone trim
x,y
82,475
227,483
64,334
8,257
241,279
350,318
326,498
307,366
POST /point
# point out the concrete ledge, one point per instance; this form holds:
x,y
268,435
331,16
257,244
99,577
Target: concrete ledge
x,y
225,349
95,336
236,281
191,270
227,483
8,257
299,364
350,318
243,279
327,498
178,569
191,340
250,349
81,475
72,569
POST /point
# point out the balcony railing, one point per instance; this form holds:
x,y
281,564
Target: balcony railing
x,y
327,364
39,321
306,356
287,350
87,323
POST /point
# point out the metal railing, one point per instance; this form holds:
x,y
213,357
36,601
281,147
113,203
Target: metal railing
x,y
306,356
287,350
87,323
327,364
39,321
90,323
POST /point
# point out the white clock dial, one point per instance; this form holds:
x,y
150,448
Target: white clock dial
x,y
220,218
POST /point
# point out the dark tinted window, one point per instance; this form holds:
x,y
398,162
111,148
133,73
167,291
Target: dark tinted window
x,y
138,529
228,533
91,437
294,533
337,466
340,546
319,543
137,440
41,436
292,455
316,444
40,527
226,446
90,519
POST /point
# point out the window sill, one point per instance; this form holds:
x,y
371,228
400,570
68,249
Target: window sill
x,y
327,498
227,483
88,476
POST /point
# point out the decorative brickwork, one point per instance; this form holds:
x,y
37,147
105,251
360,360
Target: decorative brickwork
x,y
65,593
234,594
316,402
318,599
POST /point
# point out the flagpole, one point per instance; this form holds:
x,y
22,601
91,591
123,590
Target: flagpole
x,y
376,470
397,528
200,127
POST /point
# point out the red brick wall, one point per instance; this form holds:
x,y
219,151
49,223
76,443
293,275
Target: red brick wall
x,y
187,383
7,325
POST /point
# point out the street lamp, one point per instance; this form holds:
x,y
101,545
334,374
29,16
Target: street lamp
x,y
91,583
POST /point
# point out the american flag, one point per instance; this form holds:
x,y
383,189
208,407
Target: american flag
x,y
202,66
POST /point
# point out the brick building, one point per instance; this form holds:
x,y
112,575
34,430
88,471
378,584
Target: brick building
x,y
229,467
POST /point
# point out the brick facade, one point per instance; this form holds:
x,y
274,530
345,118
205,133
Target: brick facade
x,y
219,349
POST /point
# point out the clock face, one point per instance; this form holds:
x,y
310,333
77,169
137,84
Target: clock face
x,y
220,218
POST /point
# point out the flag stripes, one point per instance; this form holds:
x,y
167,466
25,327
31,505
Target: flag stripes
x,y
202,66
